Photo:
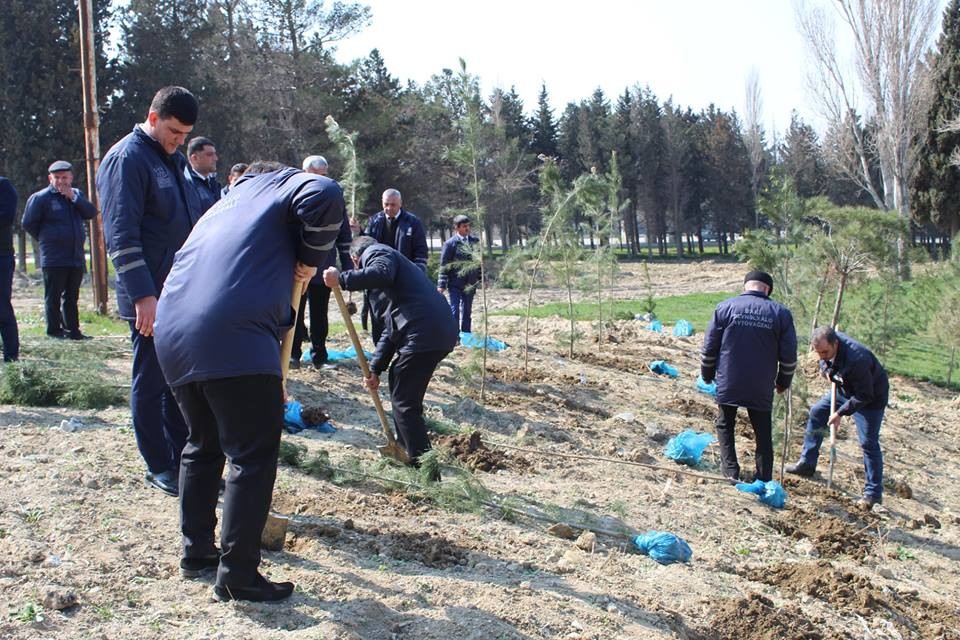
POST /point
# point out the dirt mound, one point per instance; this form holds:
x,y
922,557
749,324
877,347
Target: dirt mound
x,y
428,549
472,452
314,415
757,618
692,408
830,536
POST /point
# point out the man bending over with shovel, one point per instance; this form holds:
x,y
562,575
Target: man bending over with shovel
x,y
862,391
418,330
223,310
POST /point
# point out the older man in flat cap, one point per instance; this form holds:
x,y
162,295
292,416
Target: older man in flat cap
x,y
750,348
56,217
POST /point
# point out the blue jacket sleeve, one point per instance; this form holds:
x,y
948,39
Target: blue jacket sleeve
x,y
123,192
320,208
788,350
447,254
33,215
84,207
711,348
8,202
420,251
377,272
858,386
383,353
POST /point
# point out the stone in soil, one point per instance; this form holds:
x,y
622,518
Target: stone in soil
x,y
59,598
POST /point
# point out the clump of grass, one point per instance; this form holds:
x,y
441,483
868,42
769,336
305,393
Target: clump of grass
x,y
295,455
441,425
39,384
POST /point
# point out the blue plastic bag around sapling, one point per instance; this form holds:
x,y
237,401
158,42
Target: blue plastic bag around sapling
x,y
471,341
656,326
769,493
350,353
688,446
660,367
683,328
665,548
293,421
709,389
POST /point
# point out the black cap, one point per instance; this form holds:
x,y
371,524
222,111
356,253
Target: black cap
x,y
460,219
760,276
60,165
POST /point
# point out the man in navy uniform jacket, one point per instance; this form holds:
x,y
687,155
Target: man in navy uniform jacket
x,y
399,229
862,392
221,316
750,348
55,217
8,321
201,170
461,282
417,329
149,208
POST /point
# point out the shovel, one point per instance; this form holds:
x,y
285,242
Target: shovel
x,y
391,449
786,432
286,347
833,434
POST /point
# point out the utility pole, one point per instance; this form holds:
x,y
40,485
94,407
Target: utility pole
x,y
91,131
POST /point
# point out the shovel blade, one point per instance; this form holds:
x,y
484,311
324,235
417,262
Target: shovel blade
x,y
395,452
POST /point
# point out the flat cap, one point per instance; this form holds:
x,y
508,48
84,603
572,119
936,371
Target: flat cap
x,y
60,165
760,276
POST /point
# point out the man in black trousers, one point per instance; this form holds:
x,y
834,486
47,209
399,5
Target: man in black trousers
x,y
224,307
8,321
417,328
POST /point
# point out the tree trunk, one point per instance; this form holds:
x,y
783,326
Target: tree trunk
x,y
22,251
836,306
820,291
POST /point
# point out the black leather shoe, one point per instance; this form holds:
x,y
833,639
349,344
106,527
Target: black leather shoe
x,y
166,481
294,363
198,567
78,336
262,590
800,469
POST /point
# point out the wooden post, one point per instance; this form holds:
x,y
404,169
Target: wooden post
x,y
91,129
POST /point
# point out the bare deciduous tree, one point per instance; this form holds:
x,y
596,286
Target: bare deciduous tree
x,y
890,39
753,135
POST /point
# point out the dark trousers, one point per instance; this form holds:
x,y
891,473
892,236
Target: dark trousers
x,y
8,321
61,290
868,423
461,306
318,296
410,374
763,432
236,420
157,422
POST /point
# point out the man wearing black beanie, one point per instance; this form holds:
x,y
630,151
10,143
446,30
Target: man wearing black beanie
x,y
750,348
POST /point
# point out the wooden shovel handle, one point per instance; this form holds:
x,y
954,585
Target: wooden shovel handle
x,y
286,347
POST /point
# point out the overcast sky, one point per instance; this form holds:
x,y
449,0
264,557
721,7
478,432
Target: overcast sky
x,y
698,51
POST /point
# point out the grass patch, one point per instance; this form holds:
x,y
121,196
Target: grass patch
x,y
923,358
42,385
696,308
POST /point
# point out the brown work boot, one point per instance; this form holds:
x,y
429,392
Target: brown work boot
x,y
866,503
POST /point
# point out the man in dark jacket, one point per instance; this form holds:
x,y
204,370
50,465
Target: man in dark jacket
x,y
149,208
417,329
862,392
8,321
201,170
399,229
223,310
55,217
459,272
318,294
750,347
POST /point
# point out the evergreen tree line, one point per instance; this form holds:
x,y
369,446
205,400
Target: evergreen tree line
x,y
266,77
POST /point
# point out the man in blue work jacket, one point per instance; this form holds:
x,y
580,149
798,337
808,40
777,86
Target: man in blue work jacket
x,y
862,393
750,348
223,310
55,217
417,329
456,276
8,321
201,170
149,208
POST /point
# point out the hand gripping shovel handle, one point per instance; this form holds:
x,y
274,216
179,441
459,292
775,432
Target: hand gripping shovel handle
x,y
392,449
286,347
833,434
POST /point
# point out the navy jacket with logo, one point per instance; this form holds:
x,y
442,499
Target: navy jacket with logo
x,y
8,211
208,189
859,376
226,302
456,249
57,225
750,345
415,317
409,235
148,210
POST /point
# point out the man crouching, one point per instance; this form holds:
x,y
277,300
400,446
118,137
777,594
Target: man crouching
x,y
220,318
418,329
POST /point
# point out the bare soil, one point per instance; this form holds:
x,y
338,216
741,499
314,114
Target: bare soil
x,y
372,562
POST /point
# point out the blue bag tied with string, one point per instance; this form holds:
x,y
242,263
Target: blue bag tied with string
x,y
655,325
660,367
769,493
471,341
709,389
665,548
293,421
682,328
688,446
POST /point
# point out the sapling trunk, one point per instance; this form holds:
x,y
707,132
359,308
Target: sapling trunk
x,y
836,306
820,291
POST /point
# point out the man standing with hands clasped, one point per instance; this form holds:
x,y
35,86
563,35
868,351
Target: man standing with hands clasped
x,y
457,275
750,347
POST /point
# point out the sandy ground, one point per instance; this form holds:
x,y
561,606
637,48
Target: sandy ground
x,y
371,563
